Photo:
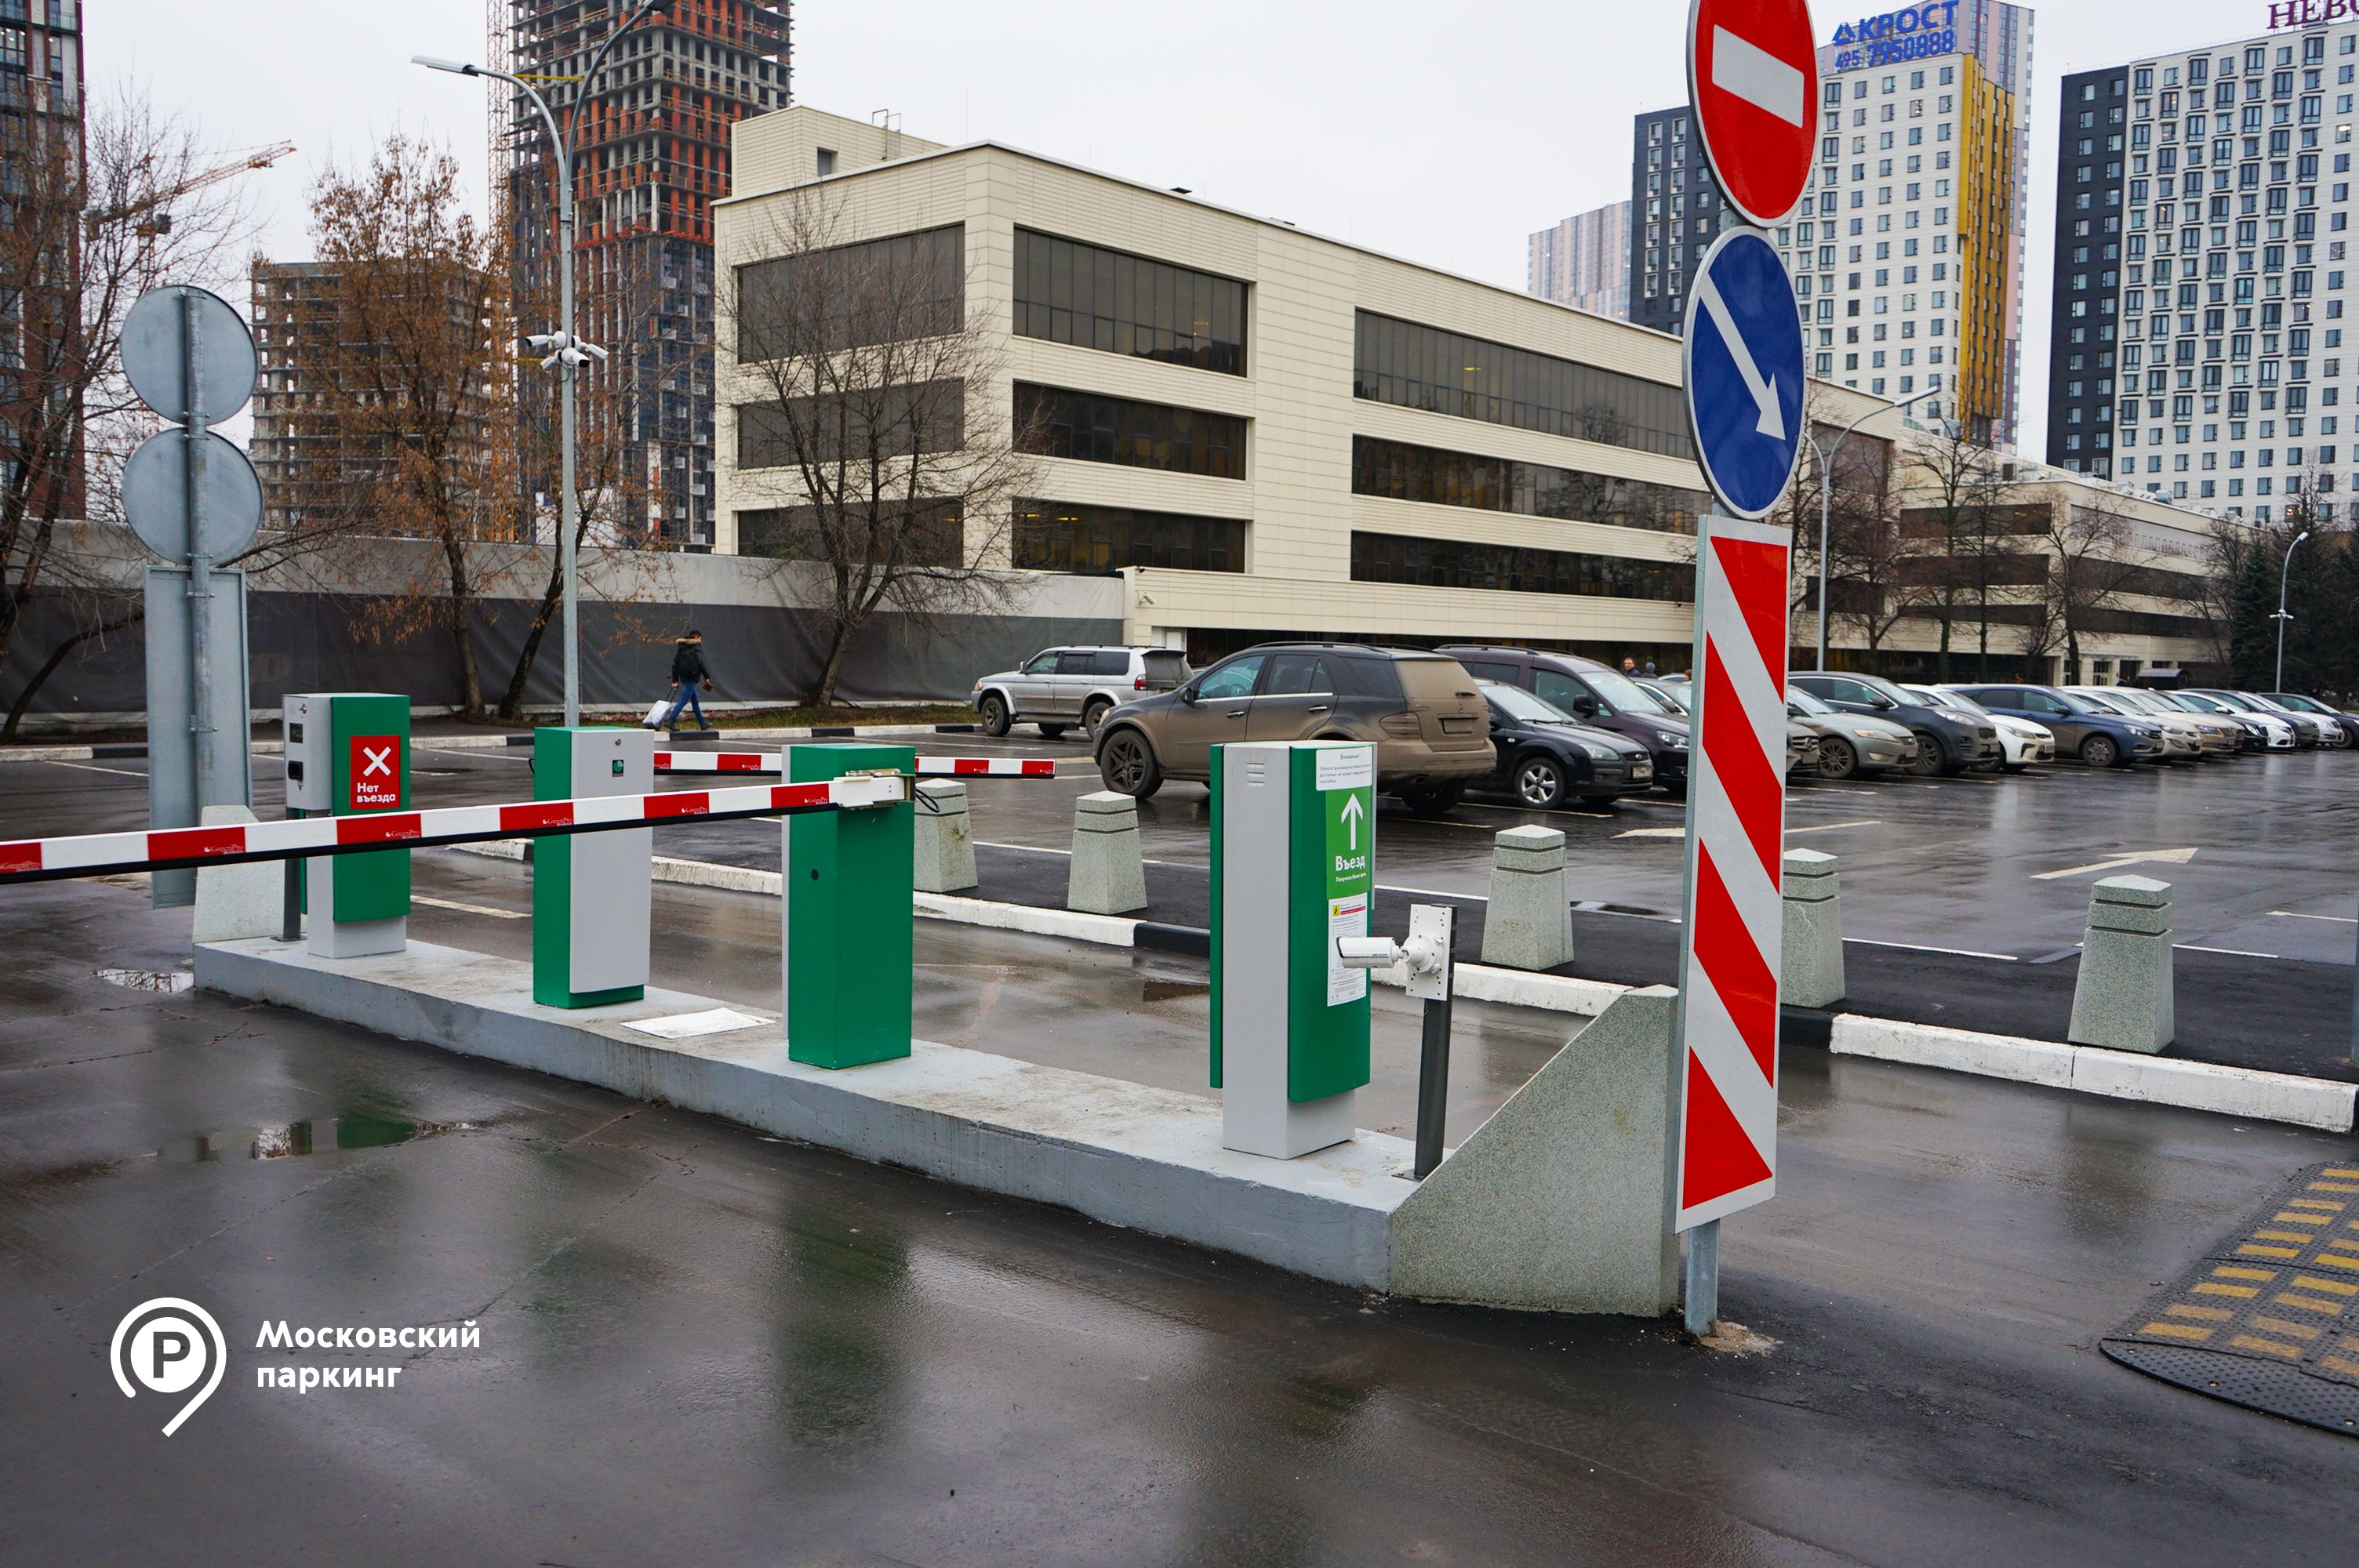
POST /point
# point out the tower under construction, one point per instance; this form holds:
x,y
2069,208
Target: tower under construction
x,y
650,156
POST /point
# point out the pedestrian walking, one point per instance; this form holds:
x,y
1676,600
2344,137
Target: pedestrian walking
x,y
688,675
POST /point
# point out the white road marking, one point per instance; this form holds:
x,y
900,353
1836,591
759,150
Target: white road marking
x,y
2289,914
1746,70
94,768
1831,826
1921,948
468,908
2164,857
2232,952
1654,833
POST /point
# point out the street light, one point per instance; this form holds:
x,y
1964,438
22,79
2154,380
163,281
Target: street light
x,y
1827,490
2285,581
563,347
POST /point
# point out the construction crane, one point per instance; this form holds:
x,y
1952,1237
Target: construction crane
x,y
157,222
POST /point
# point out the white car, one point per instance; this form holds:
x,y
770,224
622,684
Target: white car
x,y
2181,738
2025,740
2220,736
2274,734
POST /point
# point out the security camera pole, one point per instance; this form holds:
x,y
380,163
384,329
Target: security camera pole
x,y
562,348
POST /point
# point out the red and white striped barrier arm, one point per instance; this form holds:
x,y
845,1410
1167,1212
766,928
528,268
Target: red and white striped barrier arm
x,y
107,854
928,767
1732,944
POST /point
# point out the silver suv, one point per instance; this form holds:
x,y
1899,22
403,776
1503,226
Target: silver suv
x,y
1059,688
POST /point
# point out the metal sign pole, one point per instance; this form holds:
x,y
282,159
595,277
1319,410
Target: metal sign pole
x,y
193,433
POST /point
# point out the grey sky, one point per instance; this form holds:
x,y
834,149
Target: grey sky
x,y
1441,133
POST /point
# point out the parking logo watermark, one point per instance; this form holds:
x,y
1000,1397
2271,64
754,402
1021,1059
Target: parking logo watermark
x,y
169,1346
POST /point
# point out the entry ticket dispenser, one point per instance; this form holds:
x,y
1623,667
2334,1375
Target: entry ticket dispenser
x,y
847,944
1293,869
590,892
348,754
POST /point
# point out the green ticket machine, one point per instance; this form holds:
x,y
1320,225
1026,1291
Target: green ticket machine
x,y
849,928
348,754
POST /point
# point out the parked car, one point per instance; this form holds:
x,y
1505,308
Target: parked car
x,y
1548,757
2312,708
2181,741
1851,744
1059,688
2098,735
2332,733
2263,731
2215,734
1423,710
1591,693
1948,740
2308,733
2023,740
1805,740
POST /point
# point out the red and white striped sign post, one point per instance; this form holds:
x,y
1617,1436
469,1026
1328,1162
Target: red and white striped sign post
x,y
1731,946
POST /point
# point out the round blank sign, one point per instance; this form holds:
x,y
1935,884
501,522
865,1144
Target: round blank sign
x,y
155,354
155,496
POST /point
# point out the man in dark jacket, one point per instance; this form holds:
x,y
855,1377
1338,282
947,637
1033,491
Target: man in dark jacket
x,y
688,676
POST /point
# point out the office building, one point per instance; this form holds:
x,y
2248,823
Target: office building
x,y
1908,251
651,156
1584,262
42,108
1262,432
2201,271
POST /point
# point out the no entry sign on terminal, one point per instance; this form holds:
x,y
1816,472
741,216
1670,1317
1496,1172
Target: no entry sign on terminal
x,y
1753,76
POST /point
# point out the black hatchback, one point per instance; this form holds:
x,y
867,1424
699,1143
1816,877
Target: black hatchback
x,y
1591,693
1547,757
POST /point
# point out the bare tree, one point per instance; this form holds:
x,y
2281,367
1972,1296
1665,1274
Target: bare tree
x,y
2091,569
405,383
1960,517
879,420
82,236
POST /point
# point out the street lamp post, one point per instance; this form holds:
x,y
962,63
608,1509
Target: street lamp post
x,y
1826,496
2285,581
567,351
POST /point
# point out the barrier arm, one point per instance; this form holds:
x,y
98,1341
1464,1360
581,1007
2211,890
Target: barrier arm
x,y
928,767
113,854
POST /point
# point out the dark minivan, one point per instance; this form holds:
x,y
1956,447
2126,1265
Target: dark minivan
x,y
1948,740
1592,693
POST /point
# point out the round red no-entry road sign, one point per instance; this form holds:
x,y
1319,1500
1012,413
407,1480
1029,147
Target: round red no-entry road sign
x,y
1753,77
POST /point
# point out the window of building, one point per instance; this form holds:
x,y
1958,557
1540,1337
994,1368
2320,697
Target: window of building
x,y
848,428
1506,568
1068,292
1418,366
792,534
1401,472
1101,429
1059,536
848,296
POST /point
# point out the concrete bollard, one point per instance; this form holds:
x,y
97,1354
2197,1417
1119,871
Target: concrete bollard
x,y
1813,966
1109,873
238,901
2124,997
1529,923
945,838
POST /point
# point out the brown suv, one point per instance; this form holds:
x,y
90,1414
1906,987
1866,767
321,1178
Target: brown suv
x,y
1423,710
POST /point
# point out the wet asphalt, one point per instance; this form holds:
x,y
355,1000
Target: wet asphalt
x,y
702,1344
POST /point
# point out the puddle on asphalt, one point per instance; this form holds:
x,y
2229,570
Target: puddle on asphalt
x,y
170,982
301,1138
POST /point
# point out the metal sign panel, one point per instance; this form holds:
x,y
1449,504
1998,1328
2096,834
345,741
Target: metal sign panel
x,y
171,742
1753,77
1731,943
155,354
1745,372
156,497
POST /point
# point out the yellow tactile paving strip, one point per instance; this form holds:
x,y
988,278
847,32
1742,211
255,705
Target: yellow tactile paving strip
x,y
2282,1291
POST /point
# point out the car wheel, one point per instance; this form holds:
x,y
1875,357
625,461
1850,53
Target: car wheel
x,y
1434,800
1928,761
2101,751
1093,716
993,710
1838,758
1054,731
1540,783
1127,765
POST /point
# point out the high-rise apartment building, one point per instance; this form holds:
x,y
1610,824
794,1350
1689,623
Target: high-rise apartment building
x,y
1907,251
2202,271
42,106
651,154
1584,262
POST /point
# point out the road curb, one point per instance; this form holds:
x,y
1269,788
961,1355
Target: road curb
x,y
2243,1092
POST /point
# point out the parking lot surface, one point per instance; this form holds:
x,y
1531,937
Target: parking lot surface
x,y
698,1344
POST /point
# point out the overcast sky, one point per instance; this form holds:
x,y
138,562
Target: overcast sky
x,y
1441,133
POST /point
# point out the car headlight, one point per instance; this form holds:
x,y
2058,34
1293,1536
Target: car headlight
x,y
1675,743
1956,715
1865,733
1598,749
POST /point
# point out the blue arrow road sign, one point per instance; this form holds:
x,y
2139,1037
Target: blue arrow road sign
x,y
1745,372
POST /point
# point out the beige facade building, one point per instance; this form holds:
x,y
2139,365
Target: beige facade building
x,y
1265,432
